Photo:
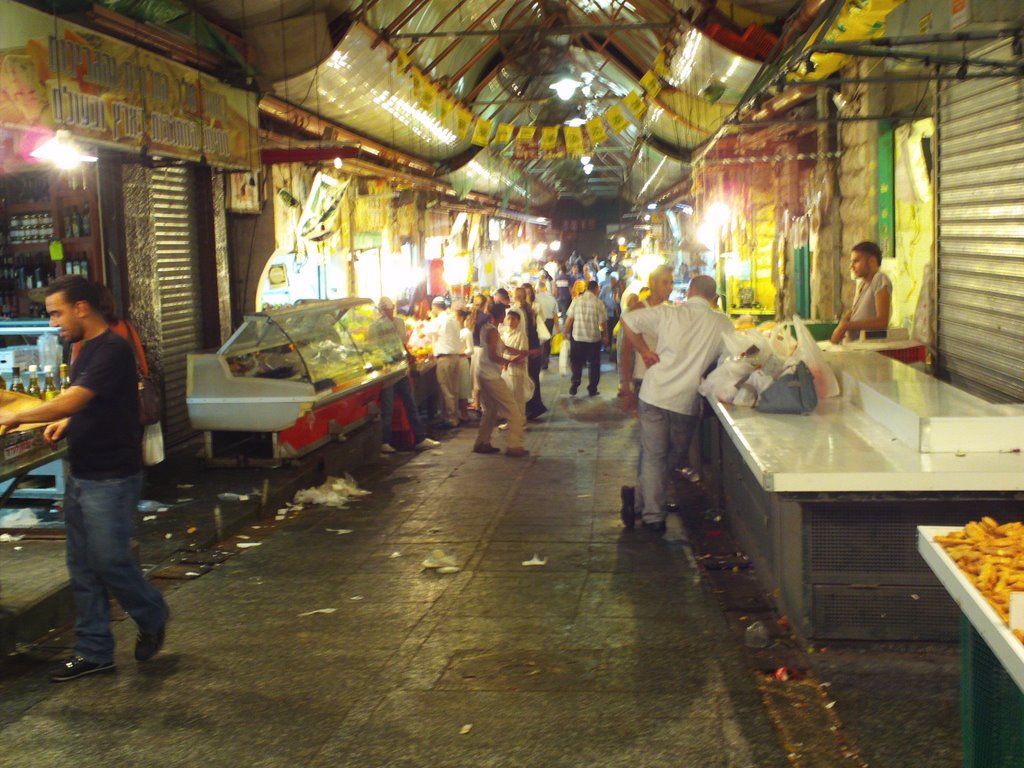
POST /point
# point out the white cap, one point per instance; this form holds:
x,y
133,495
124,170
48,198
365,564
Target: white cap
x,y
438,300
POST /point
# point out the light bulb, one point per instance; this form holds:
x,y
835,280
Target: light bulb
x,y
588,168
337,163
555,245
565,88
585,160
622,241
652,206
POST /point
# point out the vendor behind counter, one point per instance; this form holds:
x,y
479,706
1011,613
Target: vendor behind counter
x,y
872,302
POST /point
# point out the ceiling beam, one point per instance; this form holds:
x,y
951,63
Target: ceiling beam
x,y
572,29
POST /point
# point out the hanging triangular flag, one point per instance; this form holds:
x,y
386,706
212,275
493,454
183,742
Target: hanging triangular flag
x,y
463,122
549,137
526,133
661,64
651,84
446,107
574,140
503,134
596,131
428,96
634,103
617,119
402,61
482,132
417,84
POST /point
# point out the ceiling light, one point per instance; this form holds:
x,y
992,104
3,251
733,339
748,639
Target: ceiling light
x,y
588,168
555,245
622,241
62,151
718,214
576,122
337,163
652,206
585,160
647,217
565,84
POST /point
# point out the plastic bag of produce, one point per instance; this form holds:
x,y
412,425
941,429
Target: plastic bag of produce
x,y
564,369
825,382
721,384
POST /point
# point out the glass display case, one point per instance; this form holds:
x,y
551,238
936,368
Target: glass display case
x,y
285,366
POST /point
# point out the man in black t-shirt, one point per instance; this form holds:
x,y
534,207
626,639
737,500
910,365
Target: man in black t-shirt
x,y
99,415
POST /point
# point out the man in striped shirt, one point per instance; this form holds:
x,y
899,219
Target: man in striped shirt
x,y
586,324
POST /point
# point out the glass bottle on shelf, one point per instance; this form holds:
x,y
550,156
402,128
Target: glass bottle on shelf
x,y
85,225
65,379
33,382
17,385
49,388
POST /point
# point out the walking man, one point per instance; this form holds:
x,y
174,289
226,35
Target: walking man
x,y
689,339
99,416
444,333
586,323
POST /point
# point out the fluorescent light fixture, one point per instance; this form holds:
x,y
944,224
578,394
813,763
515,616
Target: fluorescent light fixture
x,y
576,122
652,206
62,151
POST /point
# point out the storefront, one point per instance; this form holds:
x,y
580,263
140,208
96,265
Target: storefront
x,y
109,171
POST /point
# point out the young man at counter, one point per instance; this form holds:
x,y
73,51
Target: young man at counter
x,y
689,339
99,415
872,302
443,330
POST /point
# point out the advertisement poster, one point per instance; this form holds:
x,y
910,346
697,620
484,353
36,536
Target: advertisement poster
x,y
54,74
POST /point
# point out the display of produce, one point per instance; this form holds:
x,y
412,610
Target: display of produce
x,y
306,374
419,343
992,558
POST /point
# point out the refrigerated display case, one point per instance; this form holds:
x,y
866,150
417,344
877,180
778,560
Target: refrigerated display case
x,y
289,380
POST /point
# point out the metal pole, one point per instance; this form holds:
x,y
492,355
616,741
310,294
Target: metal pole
x,y
574,29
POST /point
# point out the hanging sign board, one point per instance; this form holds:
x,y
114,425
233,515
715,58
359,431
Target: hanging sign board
x,y
55,74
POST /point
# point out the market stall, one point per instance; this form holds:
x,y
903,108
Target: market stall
x,y
290,380
827,505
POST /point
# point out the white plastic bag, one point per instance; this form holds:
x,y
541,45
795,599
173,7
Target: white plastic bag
x,y
722,383
152,444
825,382
564,368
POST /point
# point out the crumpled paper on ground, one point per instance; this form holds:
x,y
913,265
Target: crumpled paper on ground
x,y
441,561
336,492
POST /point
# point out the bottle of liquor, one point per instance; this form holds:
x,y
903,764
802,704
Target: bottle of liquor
x,y
49,388
17,385
65,379
33,382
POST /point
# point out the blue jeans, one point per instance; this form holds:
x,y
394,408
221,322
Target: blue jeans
x,y
99,517
387,410
664,443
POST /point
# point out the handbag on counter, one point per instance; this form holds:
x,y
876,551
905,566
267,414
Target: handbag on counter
x,y
791,393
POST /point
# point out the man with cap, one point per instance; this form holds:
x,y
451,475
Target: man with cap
x,y
443,331
403,388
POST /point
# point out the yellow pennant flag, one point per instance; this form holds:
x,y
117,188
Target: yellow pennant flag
x,y
549,137
651,84
463,122
417,84
428,96
661,64
446,108
402,61
617,119
482,132
526,133
503,135
574,140
635,103
596,131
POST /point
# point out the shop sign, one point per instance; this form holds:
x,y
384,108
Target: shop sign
x,y
59,75
575,225
371,212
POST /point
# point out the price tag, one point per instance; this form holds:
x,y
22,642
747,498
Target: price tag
x,y
56,250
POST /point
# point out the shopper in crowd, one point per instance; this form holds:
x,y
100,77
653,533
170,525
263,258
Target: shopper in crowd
x,y
501,297
631,364
465,363
443,330
563,290
586,327
99,415
872,302
610,296
515,338
495,396
547,313
532,319
689,340
478,317
402,388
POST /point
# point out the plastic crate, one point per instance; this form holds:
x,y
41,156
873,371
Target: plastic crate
x,y
991,706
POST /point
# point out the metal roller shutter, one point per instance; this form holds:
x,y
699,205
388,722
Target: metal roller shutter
x,y
981,234
176,274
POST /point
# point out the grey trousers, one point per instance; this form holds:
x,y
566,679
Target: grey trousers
x,y
664,442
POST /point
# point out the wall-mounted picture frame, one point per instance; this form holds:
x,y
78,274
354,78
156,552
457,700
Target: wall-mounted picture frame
x,y
244,192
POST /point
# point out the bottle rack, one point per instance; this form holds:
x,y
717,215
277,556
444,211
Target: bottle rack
x,y
35,209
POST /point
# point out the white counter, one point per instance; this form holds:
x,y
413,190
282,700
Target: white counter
x,y
841,448
989,624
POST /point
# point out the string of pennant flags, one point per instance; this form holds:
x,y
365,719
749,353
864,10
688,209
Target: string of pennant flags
x,y
483,132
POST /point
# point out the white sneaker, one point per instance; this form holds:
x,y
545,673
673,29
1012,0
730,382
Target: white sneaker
x,y
386,448
503,427
426,444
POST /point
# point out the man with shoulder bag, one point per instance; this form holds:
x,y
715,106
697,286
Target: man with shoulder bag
x,y
99,416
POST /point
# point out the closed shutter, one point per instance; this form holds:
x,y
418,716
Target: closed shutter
x,y
981,234
178,287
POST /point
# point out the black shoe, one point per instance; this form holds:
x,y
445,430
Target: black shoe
x,y
485,449
77,666
628,511
574,389
148,644
593,393
658,527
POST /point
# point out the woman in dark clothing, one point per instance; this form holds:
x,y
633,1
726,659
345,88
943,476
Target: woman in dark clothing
x,y
525,297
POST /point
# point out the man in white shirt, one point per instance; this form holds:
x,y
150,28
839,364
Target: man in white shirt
x,y
443,331
586,323
549,309
689,340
